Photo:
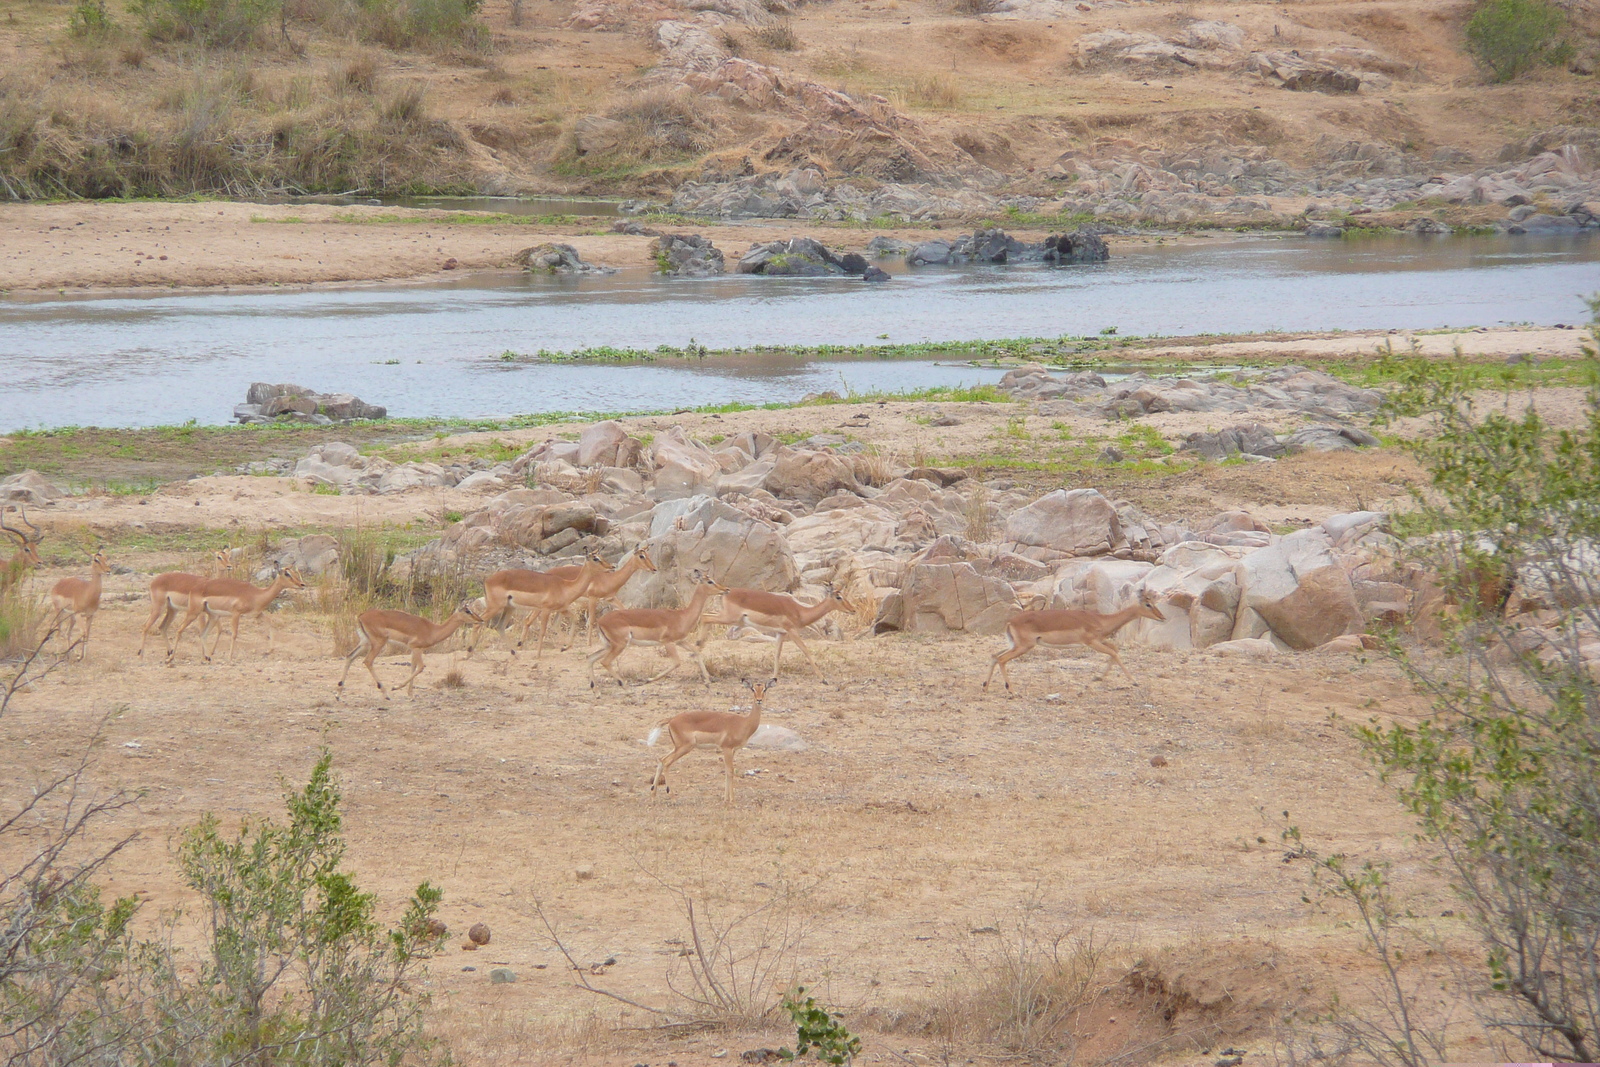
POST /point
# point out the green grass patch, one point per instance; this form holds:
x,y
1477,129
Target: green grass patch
x,y
454,218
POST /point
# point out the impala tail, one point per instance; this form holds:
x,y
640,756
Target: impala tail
x,y
655,735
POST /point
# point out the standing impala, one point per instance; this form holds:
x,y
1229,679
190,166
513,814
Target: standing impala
x,y
539,593
27,554
605,586
775,611
725,729
378,628
666,627
170,592
73,597
228,596
1062,628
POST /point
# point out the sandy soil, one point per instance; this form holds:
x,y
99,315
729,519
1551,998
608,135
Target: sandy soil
x,y
76,246
923,813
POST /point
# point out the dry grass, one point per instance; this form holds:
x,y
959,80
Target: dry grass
x,y
358,75
659,125
977,513
874,468
780,36
937,91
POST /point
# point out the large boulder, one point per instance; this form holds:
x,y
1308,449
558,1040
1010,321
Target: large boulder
x,y
808,476
795,257
553,258
312,555
1080,246
1078,521
945,597
702,533
684,467
29,487
1329,439
265,402
1299,590
598,444
687,255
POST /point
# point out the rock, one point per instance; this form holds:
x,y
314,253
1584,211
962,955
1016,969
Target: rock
x,y
598,444
411,476
1290,71
1079,521
688,255
1252,439
29,487
594,133
1329,439
481,481
265,401
929,253
1246,646
1323,229
684,467
1081,246
1344,643
881,247
1299,589
776,739
943,597
502,976
795,257
312,555
1214,36
552,258
874,274
479,934
705,534
809,476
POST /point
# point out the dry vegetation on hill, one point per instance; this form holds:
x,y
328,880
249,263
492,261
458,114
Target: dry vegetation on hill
x,y
639,97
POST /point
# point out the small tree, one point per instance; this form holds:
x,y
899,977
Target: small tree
x,y
1505,777
1511,37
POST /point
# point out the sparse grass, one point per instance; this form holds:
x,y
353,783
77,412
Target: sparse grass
x,y
780,36
936,91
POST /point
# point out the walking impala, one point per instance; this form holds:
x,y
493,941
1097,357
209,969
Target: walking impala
x,y
666,627
228,596
27,554
605,586
725,729
1061,628
378,628
775,611
73,597
170,592
539,593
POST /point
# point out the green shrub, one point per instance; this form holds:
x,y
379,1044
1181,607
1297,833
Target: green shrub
x,y
221,23
90,19
1510,37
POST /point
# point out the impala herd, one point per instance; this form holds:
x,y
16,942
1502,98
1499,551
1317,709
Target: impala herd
x,y
539,596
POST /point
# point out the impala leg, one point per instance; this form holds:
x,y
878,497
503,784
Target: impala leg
x,y
416,669
361,646
700,660
374,650
795,636
677,661
677,753
156,608
1110,650
1004,656
83,650
177,639
727,763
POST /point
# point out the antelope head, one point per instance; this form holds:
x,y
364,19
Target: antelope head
x,y
27,541
1148,609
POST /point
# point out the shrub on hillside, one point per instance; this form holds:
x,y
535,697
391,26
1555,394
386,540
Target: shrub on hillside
x,y
1511,37
219,23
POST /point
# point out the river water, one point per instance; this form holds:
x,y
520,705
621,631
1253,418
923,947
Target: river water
x,y
433,349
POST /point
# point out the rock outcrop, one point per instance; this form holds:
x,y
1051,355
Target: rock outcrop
x,y
267,403
551,258
687,255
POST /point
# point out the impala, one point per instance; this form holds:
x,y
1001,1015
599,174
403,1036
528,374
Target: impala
x,y
1062,628
228,596
605,586
27,554
726,730
170,592
665,627
775,611
380,628
73,597
539,593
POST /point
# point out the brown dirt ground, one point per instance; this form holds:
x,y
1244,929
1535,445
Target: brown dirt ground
x,y
924,809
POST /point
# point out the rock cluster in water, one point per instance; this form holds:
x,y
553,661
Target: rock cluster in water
x,y
268,403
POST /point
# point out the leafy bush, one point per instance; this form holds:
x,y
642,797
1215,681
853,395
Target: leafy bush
x,y
90,19
1511,37
1505,777
221,23
818,1031
294,968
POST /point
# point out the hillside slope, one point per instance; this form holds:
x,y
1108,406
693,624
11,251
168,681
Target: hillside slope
x,y
1163,112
